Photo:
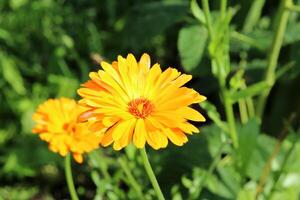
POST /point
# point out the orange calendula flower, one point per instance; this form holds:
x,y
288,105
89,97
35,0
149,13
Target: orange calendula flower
x,y
57,123
133,101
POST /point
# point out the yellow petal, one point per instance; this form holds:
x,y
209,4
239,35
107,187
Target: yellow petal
x,y
107,138
168,119
157,140
46,136
128,133
132,64
110,70
153,75
177,137
182,97
139,137
78,157
188,128
116,88
96,126
151,141
145,62
154,122
121,129
191,114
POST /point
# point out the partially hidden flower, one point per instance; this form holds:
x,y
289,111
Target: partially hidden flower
x,y
58,123
133,101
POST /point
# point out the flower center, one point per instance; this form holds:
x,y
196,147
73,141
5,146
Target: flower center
x,y
69,127
140,108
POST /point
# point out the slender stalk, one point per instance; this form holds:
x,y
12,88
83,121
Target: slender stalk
x,y
124,165
249,103
68,172
151,174
267,167
243,111
222,83
207,17
253,15
250,106
294,8
246,39
223,8
212,167
274,53
283,165
96,157
230,117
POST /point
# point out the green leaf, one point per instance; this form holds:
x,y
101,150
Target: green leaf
x,y
237,80
214,115
285,69
260,155
12,74
66,87
143,25
251,91
248,192
67,41
230,178
197,12
5,135
175,191
19,192
259,39
292,34
192,42
295,56
186,182
262,37
15,4
248,134
289,193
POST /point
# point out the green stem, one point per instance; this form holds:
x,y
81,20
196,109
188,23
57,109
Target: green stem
x,y
69,178
249,103
246,39
281,171
212,167
151,174
253,15
267,168
274,54
250,106
230,117
243,111
222,83
223,8
294,8
96,158
207,17
124,165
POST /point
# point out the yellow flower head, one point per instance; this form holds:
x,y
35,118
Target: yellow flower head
x,y
57,122
131,100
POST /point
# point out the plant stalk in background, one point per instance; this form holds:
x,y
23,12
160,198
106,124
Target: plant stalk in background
x,y
274,53
151,174
219,62
131,179
69,178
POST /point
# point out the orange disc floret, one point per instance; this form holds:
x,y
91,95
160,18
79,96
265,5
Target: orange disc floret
x,y
133,101
57,122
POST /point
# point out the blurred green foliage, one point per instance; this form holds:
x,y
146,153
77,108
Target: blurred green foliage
x,y
47,48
